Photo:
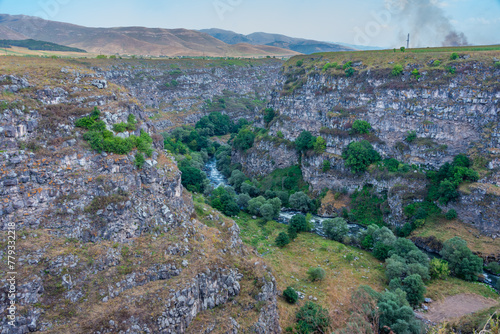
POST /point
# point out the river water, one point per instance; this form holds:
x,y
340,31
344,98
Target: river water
x,y
217,179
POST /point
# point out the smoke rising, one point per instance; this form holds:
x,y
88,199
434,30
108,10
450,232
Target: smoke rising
x,y
426,22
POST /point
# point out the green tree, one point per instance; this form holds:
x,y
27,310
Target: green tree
x,y
359,155
312,319
335,229
463,263
243,200
316,274
350,72
269,115
361,127
438,269
397,70
396,313
282,240
414,288
290,295
454,56
327,165
139,160
305,141
403,49
244,140
319,145
193,178
299,224
267,211
299,201
237,178
254,205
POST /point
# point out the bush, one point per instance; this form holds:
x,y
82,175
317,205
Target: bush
x,y
414,288
494,267
359,155
299,201
451,69
269,115
243,200
438,269
327,66
349,72
392,165
326,166
319,145
282,240
139,160
381,251
361,127
396,313
193,178
411,136
397,70
244,140
451,214
402,49
316,274
305,141
335,229
463,263
267,211
299,224
454,56
497,64
436,63
290,295
312,318
299,63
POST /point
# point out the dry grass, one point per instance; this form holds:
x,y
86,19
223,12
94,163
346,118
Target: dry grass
x,y
440,289
444,230
290,265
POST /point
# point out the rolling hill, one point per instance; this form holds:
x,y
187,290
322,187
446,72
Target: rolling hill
x,y
301,45
131,40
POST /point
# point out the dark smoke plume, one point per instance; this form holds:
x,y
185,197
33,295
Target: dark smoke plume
x,y
426,22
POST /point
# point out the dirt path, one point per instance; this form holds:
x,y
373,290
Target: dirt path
x,y
457,306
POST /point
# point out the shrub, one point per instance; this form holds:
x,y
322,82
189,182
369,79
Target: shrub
x,y
414,288
349,72
267,211
396,313
494,267
397,70
243,200
451,69
381,251
438,269
269,115
299,201
244,140
316,274
290,295
361,127
463,263
305,141
359,155
451,214
282,240
319,145
326,166
120,127
411,136
312,318
280,134
327,66
192,178
392,165
403,49
139,160
436,63
299,224
299,63
335,229
454,56
497,64
415,73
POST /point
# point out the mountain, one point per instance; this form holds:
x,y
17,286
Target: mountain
x,y
130,40
301,45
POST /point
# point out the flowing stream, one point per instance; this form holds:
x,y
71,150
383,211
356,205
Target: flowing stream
x,y
216,179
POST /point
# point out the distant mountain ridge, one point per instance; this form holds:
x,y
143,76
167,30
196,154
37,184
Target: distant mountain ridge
x,y
131,40
301,45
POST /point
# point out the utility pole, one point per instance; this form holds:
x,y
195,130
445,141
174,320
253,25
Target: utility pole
x,y
408,42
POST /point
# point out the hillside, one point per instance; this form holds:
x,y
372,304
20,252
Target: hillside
x,y
31,44
131,40
261,38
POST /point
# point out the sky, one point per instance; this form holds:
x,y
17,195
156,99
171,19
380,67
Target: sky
x,y
383,23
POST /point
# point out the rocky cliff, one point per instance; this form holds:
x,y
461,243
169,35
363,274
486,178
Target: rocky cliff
x,y
451,109
101,246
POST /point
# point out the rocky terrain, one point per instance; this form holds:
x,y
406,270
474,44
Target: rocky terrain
x,y
450,114
103,247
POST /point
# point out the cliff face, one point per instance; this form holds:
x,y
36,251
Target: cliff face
x,y
175,93
450,114
100,245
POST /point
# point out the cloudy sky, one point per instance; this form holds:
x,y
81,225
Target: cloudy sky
x,y
368,22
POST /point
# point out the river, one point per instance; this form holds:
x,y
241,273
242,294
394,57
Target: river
x,y
217,179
